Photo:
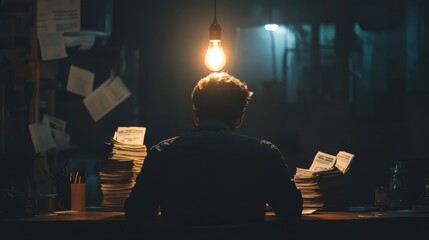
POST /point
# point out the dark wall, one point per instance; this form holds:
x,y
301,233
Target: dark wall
x,y
381,119
372,101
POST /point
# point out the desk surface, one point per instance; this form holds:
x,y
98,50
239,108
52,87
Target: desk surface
x,y
322,225
318,216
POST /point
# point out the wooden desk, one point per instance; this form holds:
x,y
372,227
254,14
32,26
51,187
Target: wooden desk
x,y
324,225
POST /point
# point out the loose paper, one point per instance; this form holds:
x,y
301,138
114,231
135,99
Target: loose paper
x,y
58,16
106,97
343,161
87,42
84,42
322,161
62,139
130,135
41,136
80,81
54,123
52,45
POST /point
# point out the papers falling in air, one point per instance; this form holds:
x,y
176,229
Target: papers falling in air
x,y
80,81
106,97
130,135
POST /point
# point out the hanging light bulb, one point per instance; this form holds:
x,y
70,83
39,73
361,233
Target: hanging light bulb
x,y
215,57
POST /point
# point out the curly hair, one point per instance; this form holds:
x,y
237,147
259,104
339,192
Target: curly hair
x,y
220,96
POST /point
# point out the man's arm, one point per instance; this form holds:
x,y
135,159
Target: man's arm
x,y
144,199
282,194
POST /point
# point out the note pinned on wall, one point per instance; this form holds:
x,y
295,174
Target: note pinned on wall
x,y
58,127
80,81
41,136
81,42
52,45
62,139
58,16
106,97
54,123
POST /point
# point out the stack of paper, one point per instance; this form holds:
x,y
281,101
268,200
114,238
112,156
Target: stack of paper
x,y
120,169
321,185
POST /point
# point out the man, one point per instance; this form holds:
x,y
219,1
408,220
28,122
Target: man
x,y
212,175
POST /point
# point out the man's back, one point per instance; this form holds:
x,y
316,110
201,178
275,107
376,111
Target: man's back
x,y
214,176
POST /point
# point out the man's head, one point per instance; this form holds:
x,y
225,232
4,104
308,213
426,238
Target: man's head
x,y
220,96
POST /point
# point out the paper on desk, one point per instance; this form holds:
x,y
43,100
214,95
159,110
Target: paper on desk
x,y
41,136
52,45
343,161
55,123
58,16
106,97
130,135
322,161
80,81
308,211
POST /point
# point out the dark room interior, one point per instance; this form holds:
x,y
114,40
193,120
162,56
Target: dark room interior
x,y
335,76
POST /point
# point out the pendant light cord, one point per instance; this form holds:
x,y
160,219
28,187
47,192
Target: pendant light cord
x,y
215,19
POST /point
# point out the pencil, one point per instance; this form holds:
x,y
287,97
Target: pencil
x,y
76,180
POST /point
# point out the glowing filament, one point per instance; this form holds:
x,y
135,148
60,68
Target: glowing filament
x,y
215,57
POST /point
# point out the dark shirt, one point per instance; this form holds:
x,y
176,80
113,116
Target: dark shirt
x,y
213,176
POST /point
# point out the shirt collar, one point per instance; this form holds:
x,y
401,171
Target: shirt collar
x,y
212,125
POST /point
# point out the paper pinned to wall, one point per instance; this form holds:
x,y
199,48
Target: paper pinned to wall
x,y
85,42
52,45
80,81
58,16
58,127
106,97
62,139
54,123
41,136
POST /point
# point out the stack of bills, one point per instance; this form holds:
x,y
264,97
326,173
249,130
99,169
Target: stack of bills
x,y
119,170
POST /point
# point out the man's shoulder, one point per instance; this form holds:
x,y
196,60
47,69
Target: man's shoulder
x,y
260,142
250,141
164,143
268,144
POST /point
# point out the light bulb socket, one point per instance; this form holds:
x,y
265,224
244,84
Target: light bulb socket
x,y
215,31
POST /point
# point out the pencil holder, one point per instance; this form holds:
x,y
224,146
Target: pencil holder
x,y
78,197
